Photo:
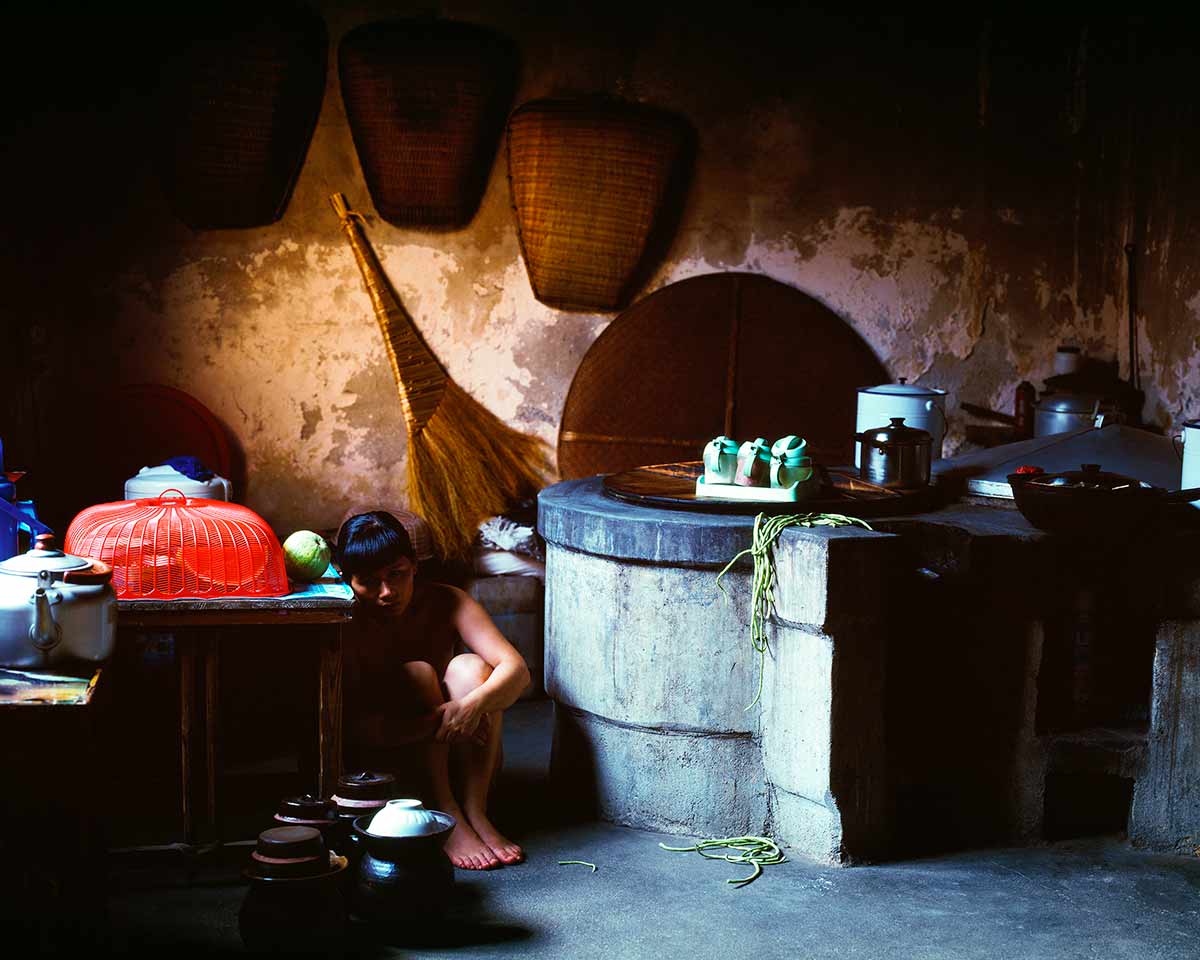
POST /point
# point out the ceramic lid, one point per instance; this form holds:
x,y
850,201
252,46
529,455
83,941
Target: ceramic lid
x,y
306,807
290,843
366,786
903,389
43,556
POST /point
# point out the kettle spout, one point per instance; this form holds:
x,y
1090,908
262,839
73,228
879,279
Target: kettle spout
x,y
44,633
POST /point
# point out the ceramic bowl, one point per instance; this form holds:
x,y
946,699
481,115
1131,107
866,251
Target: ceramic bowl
x,y
408,818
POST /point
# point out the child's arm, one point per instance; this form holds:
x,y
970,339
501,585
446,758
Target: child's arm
x,y
510,675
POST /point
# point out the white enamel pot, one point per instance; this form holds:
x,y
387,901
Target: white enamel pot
x,y
922,408
1190,473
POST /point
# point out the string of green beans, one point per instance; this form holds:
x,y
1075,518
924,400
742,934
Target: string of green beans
x,y
582,863
756,851
762,596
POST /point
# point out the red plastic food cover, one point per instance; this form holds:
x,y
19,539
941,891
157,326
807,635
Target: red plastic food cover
x,y
173,546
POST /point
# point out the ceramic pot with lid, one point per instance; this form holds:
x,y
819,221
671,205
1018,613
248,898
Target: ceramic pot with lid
x,y
359,794
404,875
896,456
310,811
923,408
57,611
294,904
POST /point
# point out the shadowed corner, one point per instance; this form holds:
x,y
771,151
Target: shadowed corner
x,y
466,922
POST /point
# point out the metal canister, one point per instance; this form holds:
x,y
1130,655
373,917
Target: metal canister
x,y
896,456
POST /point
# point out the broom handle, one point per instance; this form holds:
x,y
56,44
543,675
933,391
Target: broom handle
x,y
419,377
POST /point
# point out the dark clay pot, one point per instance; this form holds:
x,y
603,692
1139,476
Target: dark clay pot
x,y
400,878
294,916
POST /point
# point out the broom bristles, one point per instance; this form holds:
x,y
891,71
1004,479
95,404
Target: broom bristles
x,y
466,465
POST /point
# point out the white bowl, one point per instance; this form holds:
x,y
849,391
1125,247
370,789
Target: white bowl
x,y
408,818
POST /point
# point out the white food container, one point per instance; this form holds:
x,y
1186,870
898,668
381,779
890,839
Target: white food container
x,y
152,481
921,407
1190,474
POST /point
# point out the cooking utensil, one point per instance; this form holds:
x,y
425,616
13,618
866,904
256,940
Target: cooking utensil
x,y
896,456
56,610
922,408
1091,503
402,878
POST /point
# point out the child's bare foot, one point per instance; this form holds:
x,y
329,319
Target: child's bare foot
x,y
500,846
467,851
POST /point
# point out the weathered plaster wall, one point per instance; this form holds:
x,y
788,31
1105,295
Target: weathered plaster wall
x,y
960,191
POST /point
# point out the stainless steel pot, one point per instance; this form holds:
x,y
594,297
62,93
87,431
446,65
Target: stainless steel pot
x,y
1065,412
896,456
57,611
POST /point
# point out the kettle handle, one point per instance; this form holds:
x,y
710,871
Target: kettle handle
x,y
95,575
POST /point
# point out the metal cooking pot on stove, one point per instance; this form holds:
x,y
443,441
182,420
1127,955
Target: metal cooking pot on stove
x,y
57,611
1092,503
896,456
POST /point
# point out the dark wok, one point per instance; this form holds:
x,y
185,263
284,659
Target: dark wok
x,y
1092,504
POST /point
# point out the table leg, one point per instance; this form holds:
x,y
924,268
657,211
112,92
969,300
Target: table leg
x,y
212,687
329,713
186,655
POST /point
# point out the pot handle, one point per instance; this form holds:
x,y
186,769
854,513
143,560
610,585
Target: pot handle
x,y
95,575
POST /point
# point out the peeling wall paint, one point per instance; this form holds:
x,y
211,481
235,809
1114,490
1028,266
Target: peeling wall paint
x,y
958,190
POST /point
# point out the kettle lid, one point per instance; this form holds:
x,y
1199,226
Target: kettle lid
x,y
43,556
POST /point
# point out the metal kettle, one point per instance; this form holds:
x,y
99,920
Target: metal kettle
x,y
896,456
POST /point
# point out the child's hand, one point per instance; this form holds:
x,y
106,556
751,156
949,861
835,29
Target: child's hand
x,y
459,720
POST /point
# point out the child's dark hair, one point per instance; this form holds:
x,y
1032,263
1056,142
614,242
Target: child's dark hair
x,y
369,541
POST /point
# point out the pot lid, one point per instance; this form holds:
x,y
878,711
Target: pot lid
x,y
306,807
903,389
367,786
896,434
43,556
291,843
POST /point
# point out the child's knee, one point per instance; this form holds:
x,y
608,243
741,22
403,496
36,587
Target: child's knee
x,y
467,670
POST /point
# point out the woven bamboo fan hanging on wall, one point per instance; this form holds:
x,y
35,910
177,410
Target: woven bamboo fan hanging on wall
x,y
426,101
241,101
591,181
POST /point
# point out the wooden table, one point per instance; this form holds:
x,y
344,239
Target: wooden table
x,y
327,601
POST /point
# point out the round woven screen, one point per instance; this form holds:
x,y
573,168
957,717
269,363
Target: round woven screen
x,y
737,354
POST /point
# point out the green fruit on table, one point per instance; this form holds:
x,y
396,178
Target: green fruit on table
x,y
306,555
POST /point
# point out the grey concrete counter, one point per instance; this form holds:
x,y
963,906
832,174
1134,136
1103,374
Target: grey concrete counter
x,y
911,693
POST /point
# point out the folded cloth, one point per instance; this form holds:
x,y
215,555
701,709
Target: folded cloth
x,y
190,467
501,533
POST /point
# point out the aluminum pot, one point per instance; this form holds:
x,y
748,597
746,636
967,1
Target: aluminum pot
x,y
921,407
896,456
1065,412
57,611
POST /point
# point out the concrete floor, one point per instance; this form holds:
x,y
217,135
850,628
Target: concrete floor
x,y
1094,898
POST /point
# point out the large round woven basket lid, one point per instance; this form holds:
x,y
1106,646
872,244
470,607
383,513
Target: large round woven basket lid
x,y
172,547
590,179
738,354
426,101
240,105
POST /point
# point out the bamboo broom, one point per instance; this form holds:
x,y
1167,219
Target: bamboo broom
x,y
464,463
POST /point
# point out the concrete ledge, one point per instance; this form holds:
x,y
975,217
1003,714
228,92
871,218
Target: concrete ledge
x,y
578,514
674,781
805,827
828,577
649,645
